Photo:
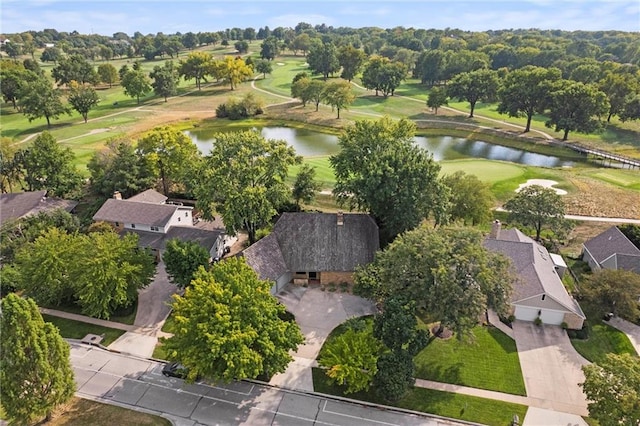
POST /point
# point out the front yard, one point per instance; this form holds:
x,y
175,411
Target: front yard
x,y
71,329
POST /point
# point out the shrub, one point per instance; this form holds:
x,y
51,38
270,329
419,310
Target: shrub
x,y
537,321
564,325
236,109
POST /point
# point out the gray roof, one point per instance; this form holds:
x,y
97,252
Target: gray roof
x,y
614,242
20,204
158,241
315,242
126,211
534,267
149,196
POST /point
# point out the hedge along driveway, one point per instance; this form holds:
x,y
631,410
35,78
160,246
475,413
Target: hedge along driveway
x,y
489,362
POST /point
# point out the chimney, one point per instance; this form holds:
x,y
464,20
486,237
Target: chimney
x,y
340,219
117,195
495,230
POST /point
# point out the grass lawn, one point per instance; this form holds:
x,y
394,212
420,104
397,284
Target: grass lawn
x,y
463,407
603,339
71,329
491,362
83,412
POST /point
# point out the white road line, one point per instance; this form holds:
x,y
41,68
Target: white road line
x,y
324,410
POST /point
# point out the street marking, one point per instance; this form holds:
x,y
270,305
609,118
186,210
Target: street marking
x,y
324,410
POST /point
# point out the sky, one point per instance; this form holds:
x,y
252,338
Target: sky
x,y
171,16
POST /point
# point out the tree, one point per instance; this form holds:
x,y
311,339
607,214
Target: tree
x,y
241,46
74,68
263,66
269,48
576,107
323,59
382,74
447,272
82,98
473,86
437,98
379,170
471,199
351,60
234,71
430,66
108,74
337,94
305,187
198,66
613,389
397,326
190,40
308,90
48,166
351,359
247,190
395,375
170,155
613,291
182,259
35,370
165,80
525,92
301,42
9,164
228,325
51,54
619,89
136,84
14,81
538,207
39,99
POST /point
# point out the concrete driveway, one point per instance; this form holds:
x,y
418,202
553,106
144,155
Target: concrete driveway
x,y
317,313
551,367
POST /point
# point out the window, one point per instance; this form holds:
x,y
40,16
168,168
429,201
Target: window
x,y
313,275
543,296
186,214
117,223
179,219
133,226
155,228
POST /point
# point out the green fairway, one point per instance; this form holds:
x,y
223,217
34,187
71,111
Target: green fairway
x,y
486,170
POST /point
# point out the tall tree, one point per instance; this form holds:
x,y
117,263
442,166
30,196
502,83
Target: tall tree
x,y
247,190
269,48
525,92
576,107
382,74
170,154
74,68
234,71
35,369
39,99
447,272
305,186
182,259
351,61
229,326
437,98
108,74
198,66
337,94
381,171
613,291
48,166
323,59
263,66
471,199
612,387
82,98
136,84
9,164
474,86
538,207
620,88
165,80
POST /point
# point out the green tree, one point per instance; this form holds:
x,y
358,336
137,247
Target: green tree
x,y
228,325
39,99
35,370
631,110
337,94
471,199
47,165
51,54
576,107
182,259
382,74
241,46
395,375
234,71
473,86
379,170
397,326
15,78
305,186
437,98
447,272
538,207
247,190
301,42
136,84
308,90
170,155
82,98
613,389
525,92
323,59
430,66
264,67
165,80
9,164
108,74
613,291
351,61
74,68
269,48
351,359
620,89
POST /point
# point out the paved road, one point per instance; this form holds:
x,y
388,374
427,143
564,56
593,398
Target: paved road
x,y
138,383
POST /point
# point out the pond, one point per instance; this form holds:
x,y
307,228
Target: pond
x,y
309,143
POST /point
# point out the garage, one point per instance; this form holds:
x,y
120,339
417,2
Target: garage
x,y
526,313
552,317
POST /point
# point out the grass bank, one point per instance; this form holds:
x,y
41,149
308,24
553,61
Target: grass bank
x,y
71,329
83,412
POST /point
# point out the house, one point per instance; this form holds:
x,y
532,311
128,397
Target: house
x,y
22,204
611,250
314,248
156,221
538,291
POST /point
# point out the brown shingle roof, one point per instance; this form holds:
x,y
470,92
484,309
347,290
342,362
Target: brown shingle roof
x,y
20,204
149,196
266,259
613,242
126,211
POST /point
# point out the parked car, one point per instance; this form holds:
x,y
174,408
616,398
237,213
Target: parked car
x,y
175,369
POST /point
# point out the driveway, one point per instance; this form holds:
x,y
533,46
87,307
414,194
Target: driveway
x,y
551,367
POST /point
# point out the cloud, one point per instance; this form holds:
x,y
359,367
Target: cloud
x,y
291,20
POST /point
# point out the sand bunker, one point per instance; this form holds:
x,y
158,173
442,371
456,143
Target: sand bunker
x,y
542,182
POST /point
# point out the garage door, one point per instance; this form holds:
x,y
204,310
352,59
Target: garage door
x,y
552,317
525,313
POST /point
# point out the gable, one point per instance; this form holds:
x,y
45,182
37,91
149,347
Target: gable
x,y
610,242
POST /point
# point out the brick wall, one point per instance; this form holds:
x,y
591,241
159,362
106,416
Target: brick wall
x,y
336,277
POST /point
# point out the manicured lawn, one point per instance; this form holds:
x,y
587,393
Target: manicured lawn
x,y
457,406
83,412
490,362
486,170
603,339
71,329
124,316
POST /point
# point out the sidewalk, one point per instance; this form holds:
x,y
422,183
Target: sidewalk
x,y
89,320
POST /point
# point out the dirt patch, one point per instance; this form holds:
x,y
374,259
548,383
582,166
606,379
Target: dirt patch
x,y
594,198
444,334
